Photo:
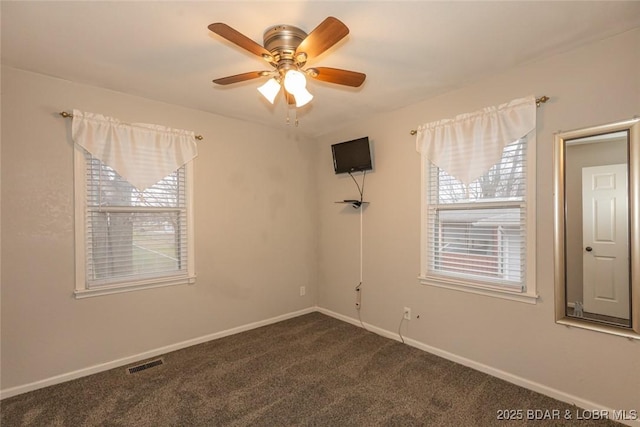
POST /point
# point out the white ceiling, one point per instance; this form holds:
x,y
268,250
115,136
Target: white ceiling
x,y
410,50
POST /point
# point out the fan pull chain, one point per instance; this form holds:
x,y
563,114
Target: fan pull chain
x,y
295,117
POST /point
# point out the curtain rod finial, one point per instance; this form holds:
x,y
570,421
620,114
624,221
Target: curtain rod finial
x,y
541,100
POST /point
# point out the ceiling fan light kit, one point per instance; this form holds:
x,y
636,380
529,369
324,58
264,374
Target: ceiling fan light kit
x,y
270,89
296,84
287,49
302,97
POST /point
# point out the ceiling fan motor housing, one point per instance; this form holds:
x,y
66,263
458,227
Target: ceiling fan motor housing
x,y
283,40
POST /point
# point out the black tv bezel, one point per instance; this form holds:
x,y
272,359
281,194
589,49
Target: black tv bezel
x,y
359,168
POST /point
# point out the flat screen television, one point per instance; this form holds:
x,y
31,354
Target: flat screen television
x,y
352,156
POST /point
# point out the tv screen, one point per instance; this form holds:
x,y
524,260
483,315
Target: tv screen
x,y
352,156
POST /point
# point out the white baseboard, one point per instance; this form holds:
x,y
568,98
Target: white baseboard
x,y
514,379
494,372
13,391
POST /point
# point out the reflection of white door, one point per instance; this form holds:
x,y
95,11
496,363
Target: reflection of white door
x,y
605,241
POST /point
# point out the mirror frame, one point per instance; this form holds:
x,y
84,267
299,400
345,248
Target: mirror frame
x,y
633,145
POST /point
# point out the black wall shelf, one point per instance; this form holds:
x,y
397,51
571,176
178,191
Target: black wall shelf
x,y
355,203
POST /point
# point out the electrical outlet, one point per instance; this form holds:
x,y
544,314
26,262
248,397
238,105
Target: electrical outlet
x,y
358,298
407,313
303,291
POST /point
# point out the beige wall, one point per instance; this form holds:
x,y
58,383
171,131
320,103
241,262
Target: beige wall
x,y
592,85
254,221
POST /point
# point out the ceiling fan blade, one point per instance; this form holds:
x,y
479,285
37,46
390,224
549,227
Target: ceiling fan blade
x,y
239,39
239,77
338,76
329,32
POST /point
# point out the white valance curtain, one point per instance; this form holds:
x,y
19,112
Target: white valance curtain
x,y
141,153
467,146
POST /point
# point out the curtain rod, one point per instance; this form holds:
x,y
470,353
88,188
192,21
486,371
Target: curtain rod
x,y
69,115
539,101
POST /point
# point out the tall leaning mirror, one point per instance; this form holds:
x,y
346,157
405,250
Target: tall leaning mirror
x,y
597,228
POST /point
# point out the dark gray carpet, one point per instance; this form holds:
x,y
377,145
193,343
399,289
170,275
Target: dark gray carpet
x,y
309,371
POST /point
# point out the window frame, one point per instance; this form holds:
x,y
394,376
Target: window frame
x,y
82,288
528,293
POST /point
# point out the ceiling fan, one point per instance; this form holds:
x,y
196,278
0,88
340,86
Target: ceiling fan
x,y
287,49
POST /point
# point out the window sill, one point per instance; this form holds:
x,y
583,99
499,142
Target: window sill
x,y
491,291
133,286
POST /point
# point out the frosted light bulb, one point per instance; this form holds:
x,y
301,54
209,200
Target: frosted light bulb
x,y
294,81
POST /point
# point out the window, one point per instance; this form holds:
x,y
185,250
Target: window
x,y
127,239
478,210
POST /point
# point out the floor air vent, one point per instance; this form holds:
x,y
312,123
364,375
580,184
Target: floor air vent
x,y
146,365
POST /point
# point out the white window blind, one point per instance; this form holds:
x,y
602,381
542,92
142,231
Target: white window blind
x,y
478,214
134,198
478,232
134,235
